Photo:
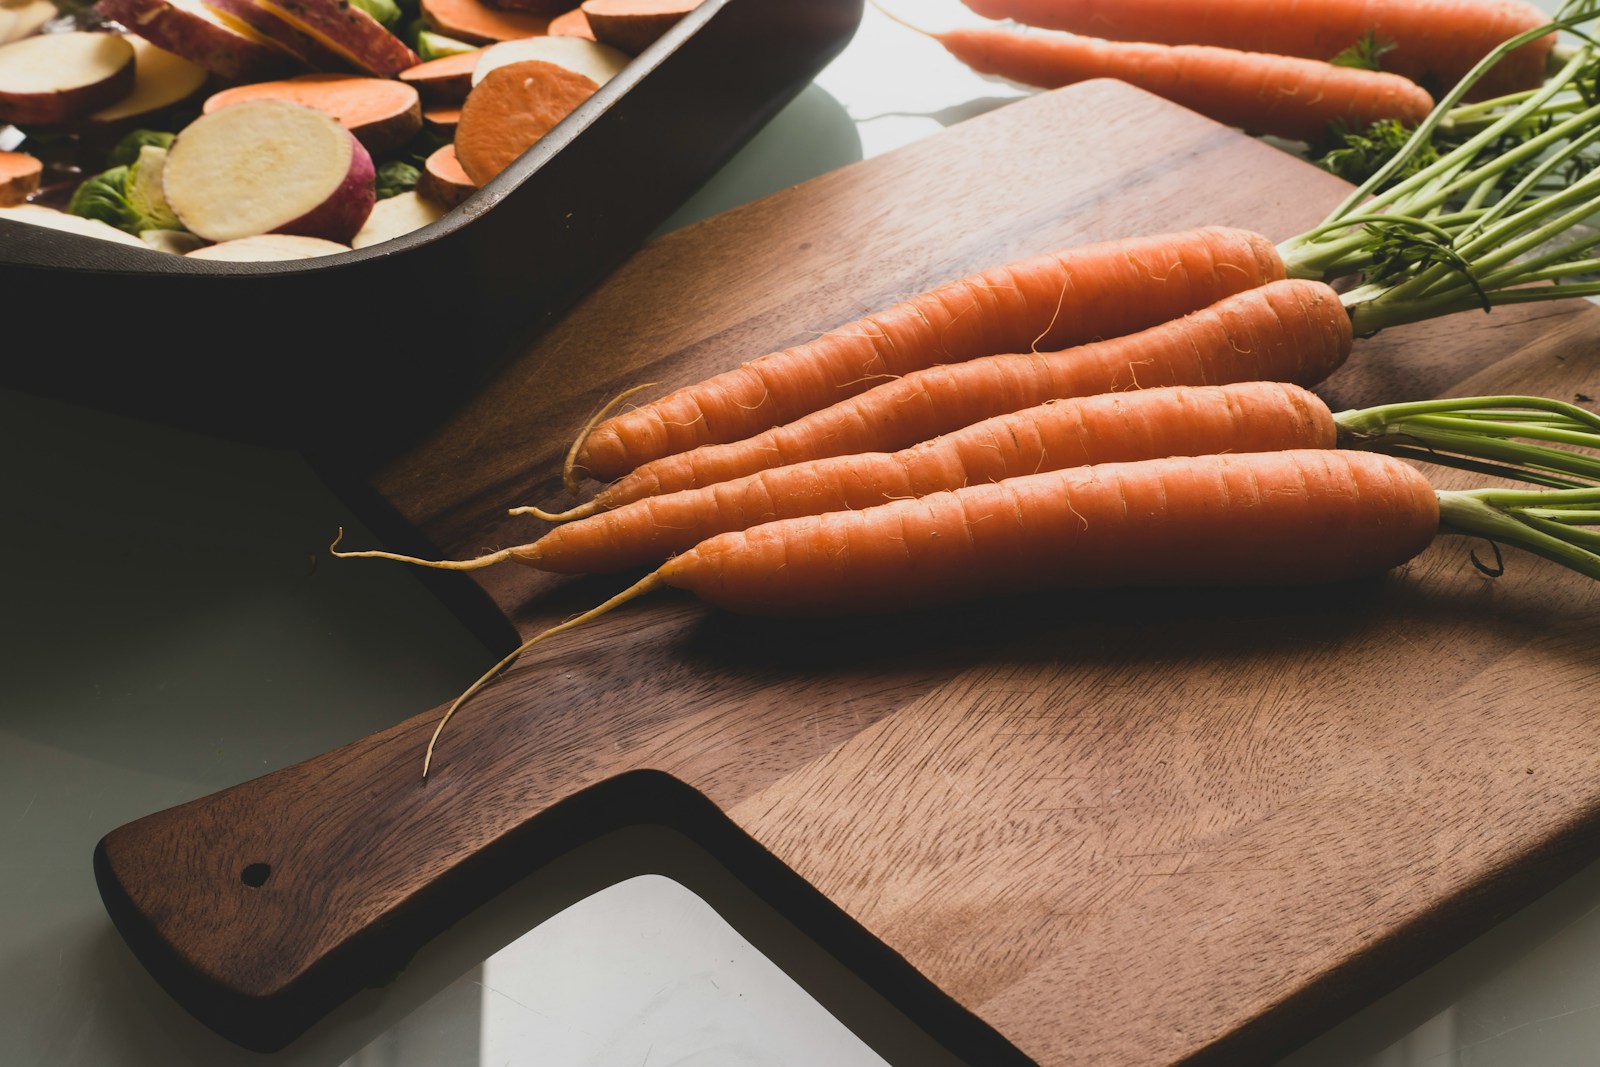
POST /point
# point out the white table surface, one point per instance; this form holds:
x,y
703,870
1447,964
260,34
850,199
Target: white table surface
x,y
166,634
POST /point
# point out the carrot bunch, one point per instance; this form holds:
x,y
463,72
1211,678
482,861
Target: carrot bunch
x,y
1067,419
1297,69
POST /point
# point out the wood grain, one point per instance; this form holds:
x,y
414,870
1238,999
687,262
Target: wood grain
x,y
1110,828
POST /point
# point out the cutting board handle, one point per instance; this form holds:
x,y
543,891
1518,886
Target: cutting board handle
x,y
263,906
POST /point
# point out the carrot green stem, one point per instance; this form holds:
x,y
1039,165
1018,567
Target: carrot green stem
x,y
1451,235
1527,438
1552,523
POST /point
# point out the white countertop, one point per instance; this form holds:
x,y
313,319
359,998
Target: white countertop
x,y
167,634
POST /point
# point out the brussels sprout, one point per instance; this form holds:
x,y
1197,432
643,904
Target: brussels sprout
x,y
127,149
385,11
144,191
128,197
395,177
430,45
102,198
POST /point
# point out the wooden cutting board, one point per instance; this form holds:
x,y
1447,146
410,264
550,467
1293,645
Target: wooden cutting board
x,y
1111,829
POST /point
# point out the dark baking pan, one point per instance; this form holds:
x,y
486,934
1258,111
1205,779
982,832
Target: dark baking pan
x,y
366,349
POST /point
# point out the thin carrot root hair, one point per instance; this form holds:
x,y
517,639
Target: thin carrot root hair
x,y
644,585
569,466
437,564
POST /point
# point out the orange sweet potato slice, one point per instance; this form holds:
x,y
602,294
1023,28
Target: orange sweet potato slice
x,y
510,109
633,25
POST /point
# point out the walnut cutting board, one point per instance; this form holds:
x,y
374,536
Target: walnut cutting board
x,y
1108,829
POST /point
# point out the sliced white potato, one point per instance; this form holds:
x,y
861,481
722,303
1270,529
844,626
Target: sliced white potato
x,y
349,31
397,216
160,80
269,166
268,247
50,218
174,241
597,62
52,78
25,19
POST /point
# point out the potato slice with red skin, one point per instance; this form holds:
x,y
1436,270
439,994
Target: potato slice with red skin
x,y
381,112
190,29
269,166
350,32
55,78
634,25
247,15
24,19
19,177
510,109
161,80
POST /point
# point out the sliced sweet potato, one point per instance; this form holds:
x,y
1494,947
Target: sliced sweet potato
x,y
478,23
249,17
511,108
383,113
396,217
190,29
545,8
634,25
443,81
442,179
597,62
349,31
442,120
19,177
268,248
55,78
161,80
571,24
24,19
269,166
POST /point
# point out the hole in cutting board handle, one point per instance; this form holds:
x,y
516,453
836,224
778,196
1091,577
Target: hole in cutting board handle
x,y
255,876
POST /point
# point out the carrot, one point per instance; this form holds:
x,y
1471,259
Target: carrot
x,y
19,177
1525,438
1435,42
1285,96
1276,519
1292,330
1051,301
477,23
1143,424
382,113
633,25
511,108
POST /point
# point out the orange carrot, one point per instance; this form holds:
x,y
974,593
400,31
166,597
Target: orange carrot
x,y
1436,42
511,108
1297,99
382,113
1294,330
1295,517
1046,302
1110,427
